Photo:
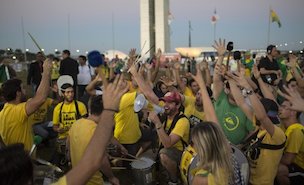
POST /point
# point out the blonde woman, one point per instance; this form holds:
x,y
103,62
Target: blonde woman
x,y
211,145
214,152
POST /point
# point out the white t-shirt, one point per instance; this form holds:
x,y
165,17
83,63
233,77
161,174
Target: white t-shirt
x,y
85,74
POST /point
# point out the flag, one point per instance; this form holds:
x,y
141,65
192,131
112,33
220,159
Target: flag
x,y
275,18
214,18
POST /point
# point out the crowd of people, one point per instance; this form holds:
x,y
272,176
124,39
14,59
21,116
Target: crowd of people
x,y
256,107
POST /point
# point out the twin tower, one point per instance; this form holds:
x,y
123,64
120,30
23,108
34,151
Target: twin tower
x,y
154,26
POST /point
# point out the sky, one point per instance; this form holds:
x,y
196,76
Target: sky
x,y
107,24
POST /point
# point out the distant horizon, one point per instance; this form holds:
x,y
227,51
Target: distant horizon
x,y
102,25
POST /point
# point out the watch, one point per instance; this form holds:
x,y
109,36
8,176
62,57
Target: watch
x,y
249,92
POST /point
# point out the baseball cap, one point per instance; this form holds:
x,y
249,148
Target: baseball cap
x,y
172,97
271,109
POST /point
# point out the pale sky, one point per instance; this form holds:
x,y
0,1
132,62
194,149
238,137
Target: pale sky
x,y
243,21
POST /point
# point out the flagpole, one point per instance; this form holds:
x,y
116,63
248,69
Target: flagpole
x,y
214,31
23,39
269,17
190,34
69,33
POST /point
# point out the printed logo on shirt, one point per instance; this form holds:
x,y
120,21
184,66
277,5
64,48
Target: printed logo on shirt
x,y
231,121
194,120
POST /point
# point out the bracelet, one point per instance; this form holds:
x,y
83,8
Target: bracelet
x,y
112,110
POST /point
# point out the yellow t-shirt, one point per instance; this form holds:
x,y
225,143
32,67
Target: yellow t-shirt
x,y
211,178
68,116
188,92
61,181
264,169
40,115
295,143
127,129
191,112
80,135
14,126
182,129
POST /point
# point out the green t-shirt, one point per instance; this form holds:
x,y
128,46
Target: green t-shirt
x,y
232,119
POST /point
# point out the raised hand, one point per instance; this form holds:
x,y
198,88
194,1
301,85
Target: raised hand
x,y
167,81
203,65
256,72
294,97
113,92
292,61
220,47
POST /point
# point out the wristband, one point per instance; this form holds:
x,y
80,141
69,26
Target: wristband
x,y
111,110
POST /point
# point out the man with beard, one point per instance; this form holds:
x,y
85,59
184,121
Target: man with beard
x,y
67,112
14,124
64,115
173,131
194,109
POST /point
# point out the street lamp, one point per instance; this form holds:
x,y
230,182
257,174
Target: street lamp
x,y
77,51
27,50
14,57
42,49
56,50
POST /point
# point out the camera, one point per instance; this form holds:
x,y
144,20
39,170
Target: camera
x,y
229,46
237,55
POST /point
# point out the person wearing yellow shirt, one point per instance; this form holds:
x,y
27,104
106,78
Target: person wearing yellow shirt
x,y
64,115
38,119
79,137
173,134
194,109
291,169
14,125
67,112
264,162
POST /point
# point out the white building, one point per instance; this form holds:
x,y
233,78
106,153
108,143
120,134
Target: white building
x,y
154,28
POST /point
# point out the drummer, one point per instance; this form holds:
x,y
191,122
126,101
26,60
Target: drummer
x,y
173,133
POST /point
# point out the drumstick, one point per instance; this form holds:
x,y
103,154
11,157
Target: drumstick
x,y
35,42
118,168
125,159
133,156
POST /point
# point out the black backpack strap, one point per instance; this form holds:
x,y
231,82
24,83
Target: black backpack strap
x,y
60,116
175,119
77,110
78,116
272,147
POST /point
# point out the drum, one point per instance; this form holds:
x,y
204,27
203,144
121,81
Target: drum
x,y
144,171
188,165
189,161
242,164
44,175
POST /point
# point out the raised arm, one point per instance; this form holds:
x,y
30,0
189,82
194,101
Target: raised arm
x,y
237,93
207,104
143,86
256,104
220,47
264,89
293,66
43,90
